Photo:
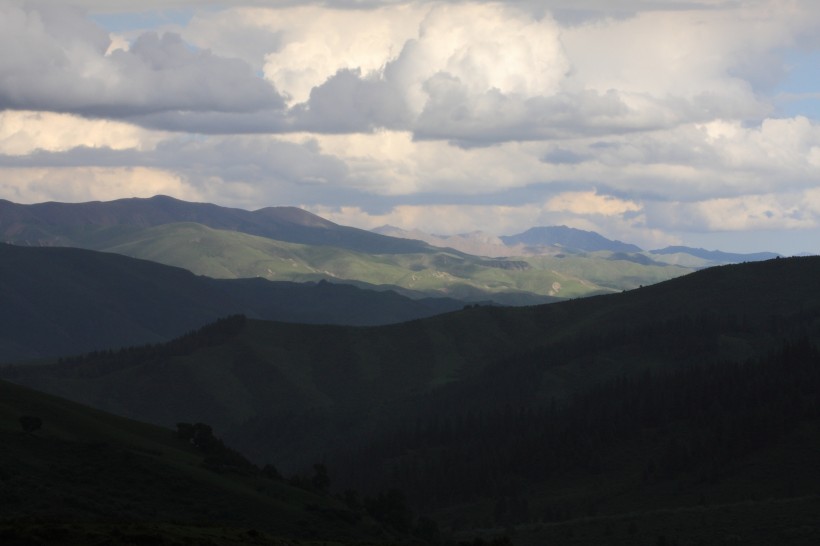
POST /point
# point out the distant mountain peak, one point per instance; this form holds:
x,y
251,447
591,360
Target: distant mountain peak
x,y
569,238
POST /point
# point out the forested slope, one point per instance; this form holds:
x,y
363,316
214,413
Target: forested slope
x,y
700,391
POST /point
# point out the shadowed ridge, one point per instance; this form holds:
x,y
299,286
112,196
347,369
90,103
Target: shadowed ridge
x,y
57,300
83,476
284,367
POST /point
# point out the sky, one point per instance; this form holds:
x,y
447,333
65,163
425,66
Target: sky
x,y
655,122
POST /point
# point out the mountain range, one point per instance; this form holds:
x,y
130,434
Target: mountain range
x,y
288,244
676,403
559,240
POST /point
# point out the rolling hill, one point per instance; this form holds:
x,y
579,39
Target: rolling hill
x,y
57,301
691,395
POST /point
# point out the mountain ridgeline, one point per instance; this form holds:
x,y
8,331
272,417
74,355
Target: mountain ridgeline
x,y
290,244
94,224
580,418
569,238
661,411
59,301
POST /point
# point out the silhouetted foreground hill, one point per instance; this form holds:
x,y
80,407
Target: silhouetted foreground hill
x,y
696,396
57,301
81,476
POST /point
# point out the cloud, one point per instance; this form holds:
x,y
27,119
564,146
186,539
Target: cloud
x,y
77,184
647,121
348,103
590,202
471,73
243,171
242,33
786,211
60,65
24,132
479,73
317,42
394,164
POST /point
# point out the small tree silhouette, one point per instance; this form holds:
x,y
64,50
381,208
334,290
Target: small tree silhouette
x,y
30,423
321,479
270,472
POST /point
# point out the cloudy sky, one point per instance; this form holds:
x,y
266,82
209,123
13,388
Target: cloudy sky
x,y
655,122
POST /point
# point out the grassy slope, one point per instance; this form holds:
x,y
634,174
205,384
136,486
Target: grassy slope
x,y
93,469
225,254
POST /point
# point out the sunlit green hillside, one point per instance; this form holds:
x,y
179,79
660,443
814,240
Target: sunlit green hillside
x,y
230,254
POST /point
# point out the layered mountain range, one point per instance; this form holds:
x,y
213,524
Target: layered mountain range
x,y
285,243
366,388
373,278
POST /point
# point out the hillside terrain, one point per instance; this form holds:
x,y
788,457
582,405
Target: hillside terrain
x,y
59,301
286,243
529,280
580,418
81,476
